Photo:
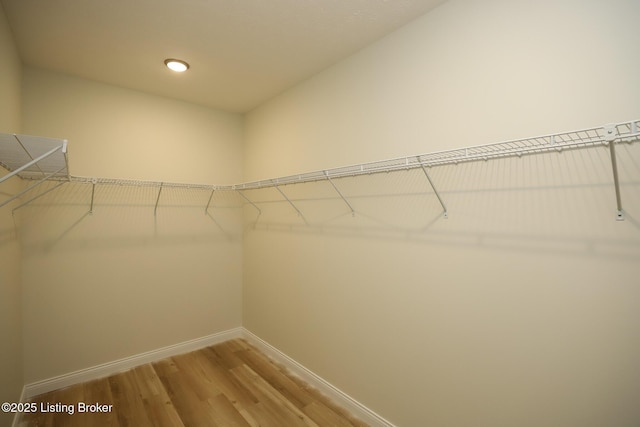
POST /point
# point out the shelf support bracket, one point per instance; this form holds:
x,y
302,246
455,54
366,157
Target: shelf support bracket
x,y
66,158
611,133
155,210
206,210
445,213
31,187
353,212
93,193
250,202
292,204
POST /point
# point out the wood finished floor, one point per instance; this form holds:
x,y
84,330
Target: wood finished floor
x,y
227,385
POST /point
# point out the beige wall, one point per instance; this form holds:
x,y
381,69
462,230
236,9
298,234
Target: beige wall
x,y
522,308
119,133
10,293
10,76
122,281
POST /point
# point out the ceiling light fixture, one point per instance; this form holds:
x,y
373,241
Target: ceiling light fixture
x,y
176,65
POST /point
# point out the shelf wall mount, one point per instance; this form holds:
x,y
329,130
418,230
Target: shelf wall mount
x,y
611,135
445,213
291,203
344,199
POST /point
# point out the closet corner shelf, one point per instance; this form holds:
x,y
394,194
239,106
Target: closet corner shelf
x,y
44,159
33,157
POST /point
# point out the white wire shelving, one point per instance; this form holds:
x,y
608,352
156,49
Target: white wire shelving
x,y
33,157
623,132
46,159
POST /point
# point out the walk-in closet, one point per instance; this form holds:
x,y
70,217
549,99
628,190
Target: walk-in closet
x,y
320,213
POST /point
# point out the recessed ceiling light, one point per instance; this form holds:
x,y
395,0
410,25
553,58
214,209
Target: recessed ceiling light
x,y
176,65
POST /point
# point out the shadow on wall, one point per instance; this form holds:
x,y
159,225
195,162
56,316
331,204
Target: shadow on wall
x,y
551,203
126,216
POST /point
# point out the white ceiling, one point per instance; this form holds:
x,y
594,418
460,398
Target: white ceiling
x,y
241,52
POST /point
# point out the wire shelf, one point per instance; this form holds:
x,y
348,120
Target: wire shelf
x,y
141,183
45,159
34,157
623,132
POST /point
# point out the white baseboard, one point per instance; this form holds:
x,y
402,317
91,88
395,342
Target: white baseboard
x,y
100,371
110,368
339,397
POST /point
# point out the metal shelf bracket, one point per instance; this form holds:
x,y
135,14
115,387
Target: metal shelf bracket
x,y
611,134
155,209
292,204
206,210
94,181
445,213
353,212
250,202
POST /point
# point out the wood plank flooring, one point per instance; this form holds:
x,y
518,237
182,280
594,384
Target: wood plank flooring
x,y
227,385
